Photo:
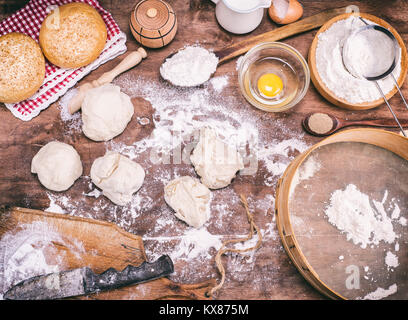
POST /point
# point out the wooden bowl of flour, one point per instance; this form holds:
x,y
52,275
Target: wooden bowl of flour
x,y
326,92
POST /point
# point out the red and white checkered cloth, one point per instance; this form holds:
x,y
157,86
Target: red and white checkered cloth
x,y
57,80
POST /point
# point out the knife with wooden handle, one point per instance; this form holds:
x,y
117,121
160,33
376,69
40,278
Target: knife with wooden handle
x,y
83,281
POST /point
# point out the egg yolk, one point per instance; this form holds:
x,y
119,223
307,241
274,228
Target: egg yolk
x,y
270,85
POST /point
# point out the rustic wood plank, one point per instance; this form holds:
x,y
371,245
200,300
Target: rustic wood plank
x,y
9,7
274,274
100,246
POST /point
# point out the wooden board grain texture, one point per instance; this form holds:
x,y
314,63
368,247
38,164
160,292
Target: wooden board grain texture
x,y
99,245
275,276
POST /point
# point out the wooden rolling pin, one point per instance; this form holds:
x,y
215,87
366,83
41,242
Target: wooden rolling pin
x,y
129,62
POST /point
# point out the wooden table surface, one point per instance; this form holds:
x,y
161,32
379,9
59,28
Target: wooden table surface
x,y
275,276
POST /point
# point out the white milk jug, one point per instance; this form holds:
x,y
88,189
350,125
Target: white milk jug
x,y
240,16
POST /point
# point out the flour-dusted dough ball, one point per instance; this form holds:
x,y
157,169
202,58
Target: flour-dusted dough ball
x,y
117,176
105,112
215,161
57,166
189,199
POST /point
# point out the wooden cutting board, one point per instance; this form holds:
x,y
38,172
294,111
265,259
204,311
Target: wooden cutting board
x,y
103,245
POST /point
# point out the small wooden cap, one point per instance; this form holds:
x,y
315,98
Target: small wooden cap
x,y
153,23
152,14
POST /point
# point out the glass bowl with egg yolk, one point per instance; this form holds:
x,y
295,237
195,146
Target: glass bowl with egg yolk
x,y
273,76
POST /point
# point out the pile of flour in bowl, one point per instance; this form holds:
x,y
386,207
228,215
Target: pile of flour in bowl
x,y
337,79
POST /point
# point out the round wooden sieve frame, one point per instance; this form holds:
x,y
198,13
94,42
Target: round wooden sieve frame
x,y
326,93
384,139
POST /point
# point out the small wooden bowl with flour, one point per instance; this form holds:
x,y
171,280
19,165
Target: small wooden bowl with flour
x,y
353,103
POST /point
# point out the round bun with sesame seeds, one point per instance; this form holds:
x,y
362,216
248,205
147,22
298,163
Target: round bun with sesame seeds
x,y
22,67
73,35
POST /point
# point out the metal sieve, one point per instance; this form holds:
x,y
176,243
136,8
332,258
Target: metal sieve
x,y
379,72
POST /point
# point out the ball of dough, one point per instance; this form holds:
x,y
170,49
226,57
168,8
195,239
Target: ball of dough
x,y
105,112
57,166
215,161
73,35
117,176
189,199
22,67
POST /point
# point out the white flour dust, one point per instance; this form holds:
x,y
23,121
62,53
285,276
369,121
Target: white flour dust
x,y
219,83
381,293
178,115
198,247
391,260
53,206
23,253
193,244
367,223
73,123
351,212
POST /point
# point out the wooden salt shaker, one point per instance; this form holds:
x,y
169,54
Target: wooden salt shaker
x,y
153,23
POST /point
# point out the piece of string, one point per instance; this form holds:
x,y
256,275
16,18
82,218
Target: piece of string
x,y
223,249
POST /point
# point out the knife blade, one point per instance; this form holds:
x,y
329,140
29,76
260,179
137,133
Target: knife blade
x,y
84,281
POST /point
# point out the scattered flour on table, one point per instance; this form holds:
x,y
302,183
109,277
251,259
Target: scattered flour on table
x,y
73,122
368,275
96,193
351,212
197,247
403,221
194,243
53,206
263,205
22,253
338,80
280,148
178,115
219,83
